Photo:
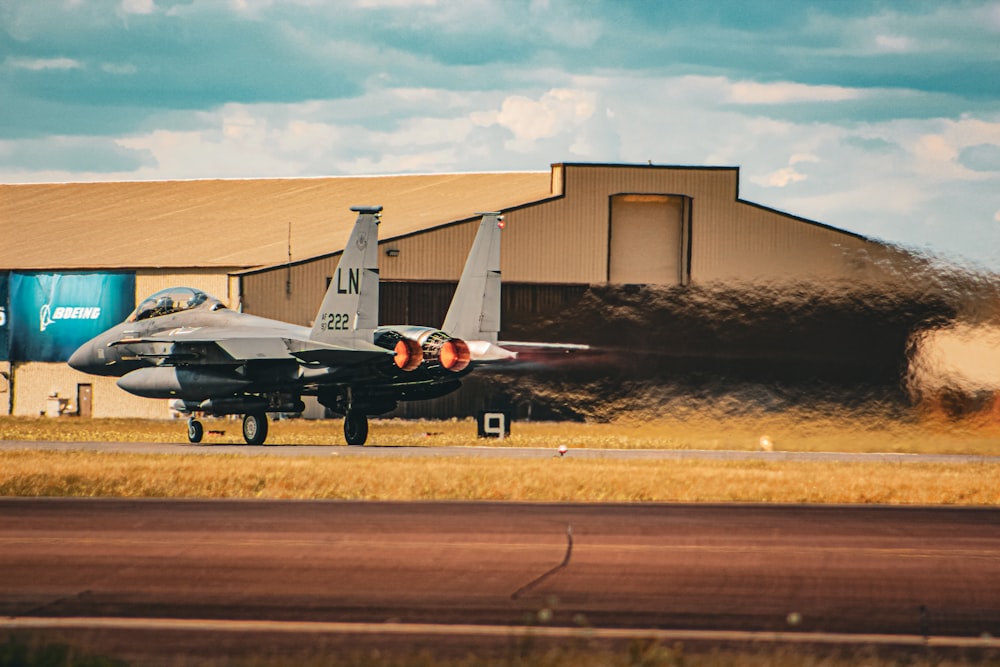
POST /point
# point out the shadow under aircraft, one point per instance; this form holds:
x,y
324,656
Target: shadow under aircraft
x,y
186,345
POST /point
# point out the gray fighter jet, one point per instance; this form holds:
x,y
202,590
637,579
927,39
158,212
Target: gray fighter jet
x,y
186,345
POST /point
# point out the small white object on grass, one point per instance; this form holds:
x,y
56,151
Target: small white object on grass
x,y
765,443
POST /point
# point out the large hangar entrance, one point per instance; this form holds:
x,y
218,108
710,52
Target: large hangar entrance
x,y
649,239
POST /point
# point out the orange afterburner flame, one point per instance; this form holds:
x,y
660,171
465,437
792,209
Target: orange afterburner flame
x,y
408,354
455,355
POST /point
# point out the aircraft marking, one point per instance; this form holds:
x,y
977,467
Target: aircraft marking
x,y
335,322
353,282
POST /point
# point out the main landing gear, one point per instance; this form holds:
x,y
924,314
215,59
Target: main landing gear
x,y
254,429
355,427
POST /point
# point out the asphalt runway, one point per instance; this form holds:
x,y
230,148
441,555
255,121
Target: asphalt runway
x,y
487,452
391,568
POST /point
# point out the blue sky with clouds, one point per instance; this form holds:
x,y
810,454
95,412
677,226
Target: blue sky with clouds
x,y
876,116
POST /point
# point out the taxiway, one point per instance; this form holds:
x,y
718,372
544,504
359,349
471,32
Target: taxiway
x,y
487,452
759,568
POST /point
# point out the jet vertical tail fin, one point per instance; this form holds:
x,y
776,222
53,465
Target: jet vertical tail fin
x,y
349,314
474,314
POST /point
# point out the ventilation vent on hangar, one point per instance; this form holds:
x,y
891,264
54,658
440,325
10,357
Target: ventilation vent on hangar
x,y
649,239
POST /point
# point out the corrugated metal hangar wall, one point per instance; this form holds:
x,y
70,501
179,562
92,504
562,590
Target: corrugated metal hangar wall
x,y
665,263
605,224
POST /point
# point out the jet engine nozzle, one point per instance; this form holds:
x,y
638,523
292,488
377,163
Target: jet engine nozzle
x,y
409,354
455,355
430,352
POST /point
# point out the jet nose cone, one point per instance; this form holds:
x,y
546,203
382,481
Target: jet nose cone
x,y
83,358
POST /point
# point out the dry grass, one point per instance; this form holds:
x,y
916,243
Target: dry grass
x,y
35,651
41,473
789,431
646,654
557,479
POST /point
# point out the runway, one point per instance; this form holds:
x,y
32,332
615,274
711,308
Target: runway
x,y
853,570
489,452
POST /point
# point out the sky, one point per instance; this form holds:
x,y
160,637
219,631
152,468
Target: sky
x,y
880,117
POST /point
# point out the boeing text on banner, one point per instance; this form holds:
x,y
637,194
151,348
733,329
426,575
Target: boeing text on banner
x,y
51,314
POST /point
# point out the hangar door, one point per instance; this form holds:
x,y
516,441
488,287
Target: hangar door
x,y
649,239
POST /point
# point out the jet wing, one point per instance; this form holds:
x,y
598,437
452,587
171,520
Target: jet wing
x,y
315,352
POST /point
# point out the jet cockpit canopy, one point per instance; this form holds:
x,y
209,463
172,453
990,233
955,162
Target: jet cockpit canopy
x,y
172,300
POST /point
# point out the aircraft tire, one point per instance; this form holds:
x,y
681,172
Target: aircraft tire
x,y
255,428
195,431
355,428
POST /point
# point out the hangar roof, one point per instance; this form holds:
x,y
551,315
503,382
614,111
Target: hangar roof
x,y
232,223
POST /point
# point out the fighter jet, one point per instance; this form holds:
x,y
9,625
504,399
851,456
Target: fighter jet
x,y
186,345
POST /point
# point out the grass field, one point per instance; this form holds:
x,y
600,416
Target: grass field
x,y
523,652
787,431
40,473
562,479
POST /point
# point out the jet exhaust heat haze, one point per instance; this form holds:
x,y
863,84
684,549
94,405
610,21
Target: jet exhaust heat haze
x,y
926,337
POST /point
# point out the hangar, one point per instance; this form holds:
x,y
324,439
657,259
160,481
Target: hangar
x,y
664,267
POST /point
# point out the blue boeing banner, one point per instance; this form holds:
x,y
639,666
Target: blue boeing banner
x,y
52,314
4,328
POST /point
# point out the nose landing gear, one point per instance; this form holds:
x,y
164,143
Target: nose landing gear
x,y
195,430
355,427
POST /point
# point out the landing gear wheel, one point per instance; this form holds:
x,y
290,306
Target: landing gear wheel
x,y
355,428
255,428
195,430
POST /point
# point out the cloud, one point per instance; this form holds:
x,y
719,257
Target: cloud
x,y
893,43
395,4
41,64
124,69
138,6
802,157
787,175
981,157
933,148
751,92
955,150
872,144
783,177
198,58
555,112
93,155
